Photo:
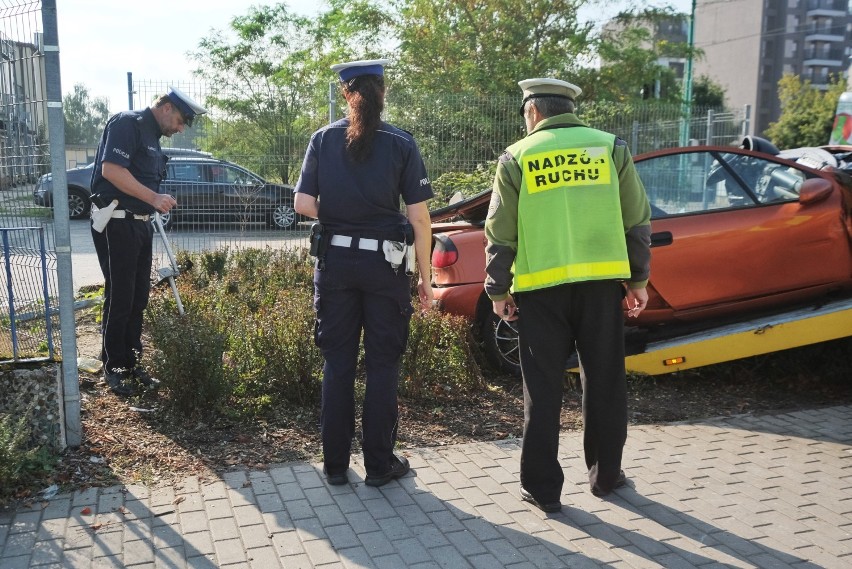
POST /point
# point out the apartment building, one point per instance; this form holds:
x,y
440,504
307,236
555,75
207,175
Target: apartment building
x,y
750,44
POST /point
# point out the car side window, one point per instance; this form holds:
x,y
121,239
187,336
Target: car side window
x,y
184,172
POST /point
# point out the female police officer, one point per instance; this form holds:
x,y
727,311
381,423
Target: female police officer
x,y
353,176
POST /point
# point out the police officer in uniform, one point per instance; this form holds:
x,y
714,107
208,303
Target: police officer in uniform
x,y
568,232
129,166
354,173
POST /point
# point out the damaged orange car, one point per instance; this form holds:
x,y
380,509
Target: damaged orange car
x,y
735,232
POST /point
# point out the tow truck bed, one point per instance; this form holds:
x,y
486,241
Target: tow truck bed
x,y
760,335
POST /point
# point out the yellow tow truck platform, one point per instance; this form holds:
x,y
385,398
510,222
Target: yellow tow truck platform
x,y
802,326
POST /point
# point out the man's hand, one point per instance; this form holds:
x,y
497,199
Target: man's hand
x,y
164,202
506,308
637,300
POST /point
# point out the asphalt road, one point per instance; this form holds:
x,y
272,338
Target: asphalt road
x,y
194,238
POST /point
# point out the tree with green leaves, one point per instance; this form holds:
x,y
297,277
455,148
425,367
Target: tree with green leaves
x,y
707,93
807,113
487,46
85,117
269,78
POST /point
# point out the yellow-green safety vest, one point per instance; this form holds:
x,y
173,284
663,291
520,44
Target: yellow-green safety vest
x,y
570,227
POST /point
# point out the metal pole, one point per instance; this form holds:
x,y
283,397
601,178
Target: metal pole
x,y
130,90
62,233
746,119
687,81
710,119
48,320
7,258
332,102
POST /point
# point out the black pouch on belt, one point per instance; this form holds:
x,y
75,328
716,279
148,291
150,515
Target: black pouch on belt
x,y
316,239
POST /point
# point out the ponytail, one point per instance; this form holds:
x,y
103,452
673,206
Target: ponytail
x,y
366,102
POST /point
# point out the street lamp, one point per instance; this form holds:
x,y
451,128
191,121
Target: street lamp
x,y
686,106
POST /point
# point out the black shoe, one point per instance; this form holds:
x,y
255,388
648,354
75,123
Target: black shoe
x,y
620,482
548,507
399,469
118,384
144,378
336,479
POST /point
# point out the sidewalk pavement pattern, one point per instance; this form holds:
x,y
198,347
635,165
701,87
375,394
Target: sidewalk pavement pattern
x,y
743,491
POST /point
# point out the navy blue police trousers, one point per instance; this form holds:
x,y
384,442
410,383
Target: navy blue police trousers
x,y
359,291
124,254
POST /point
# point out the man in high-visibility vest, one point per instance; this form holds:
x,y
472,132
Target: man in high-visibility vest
x,y
568,234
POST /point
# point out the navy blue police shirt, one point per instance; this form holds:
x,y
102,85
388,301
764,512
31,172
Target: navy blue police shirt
x,y
131,139
363,197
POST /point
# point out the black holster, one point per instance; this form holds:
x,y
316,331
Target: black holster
x,y
320,240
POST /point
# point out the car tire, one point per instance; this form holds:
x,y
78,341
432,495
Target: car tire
x,y
283,216
79,204
500,341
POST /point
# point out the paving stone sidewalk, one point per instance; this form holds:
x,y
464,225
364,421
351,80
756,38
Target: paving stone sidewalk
x,y
747,491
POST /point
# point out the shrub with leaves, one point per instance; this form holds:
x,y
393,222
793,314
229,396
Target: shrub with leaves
x,y
439,358
19,458
247,337
187,356
466,183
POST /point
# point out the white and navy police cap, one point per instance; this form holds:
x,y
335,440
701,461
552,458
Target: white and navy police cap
x,y
353,69
187,107
545,87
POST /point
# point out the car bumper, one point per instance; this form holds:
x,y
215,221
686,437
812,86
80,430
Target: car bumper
x,y
42,198
459,299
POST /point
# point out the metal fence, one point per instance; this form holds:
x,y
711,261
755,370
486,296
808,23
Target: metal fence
x,y
456,133
29,275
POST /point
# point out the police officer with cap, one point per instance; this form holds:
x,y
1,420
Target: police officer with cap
x,y
568,237
129,167
355,173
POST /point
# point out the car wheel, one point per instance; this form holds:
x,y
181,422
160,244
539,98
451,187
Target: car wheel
x,y
500,339
78,204
283,216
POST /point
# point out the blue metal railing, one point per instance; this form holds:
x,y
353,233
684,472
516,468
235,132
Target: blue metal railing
x,y
17,256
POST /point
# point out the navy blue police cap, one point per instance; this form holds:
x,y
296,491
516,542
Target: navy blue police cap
x,y
187,107
352,69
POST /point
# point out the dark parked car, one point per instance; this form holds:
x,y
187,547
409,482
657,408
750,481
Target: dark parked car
x,y
206,189
734,231
79,182
210,189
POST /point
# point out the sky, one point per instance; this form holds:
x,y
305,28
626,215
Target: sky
x,y
100,41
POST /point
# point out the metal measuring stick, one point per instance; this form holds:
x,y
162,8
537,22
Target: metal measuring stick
x,y
172,271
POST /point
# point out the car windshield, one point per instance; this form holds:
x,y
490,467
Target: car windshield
x,y
702,181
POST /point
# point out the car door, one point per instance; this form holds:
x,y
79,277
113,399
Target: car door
x,y
186,181
243,196
727,226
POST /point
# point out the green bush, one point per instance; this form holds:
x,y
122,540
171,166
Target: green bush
x,y
187,356
246,341
439,359
19,459
467,183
